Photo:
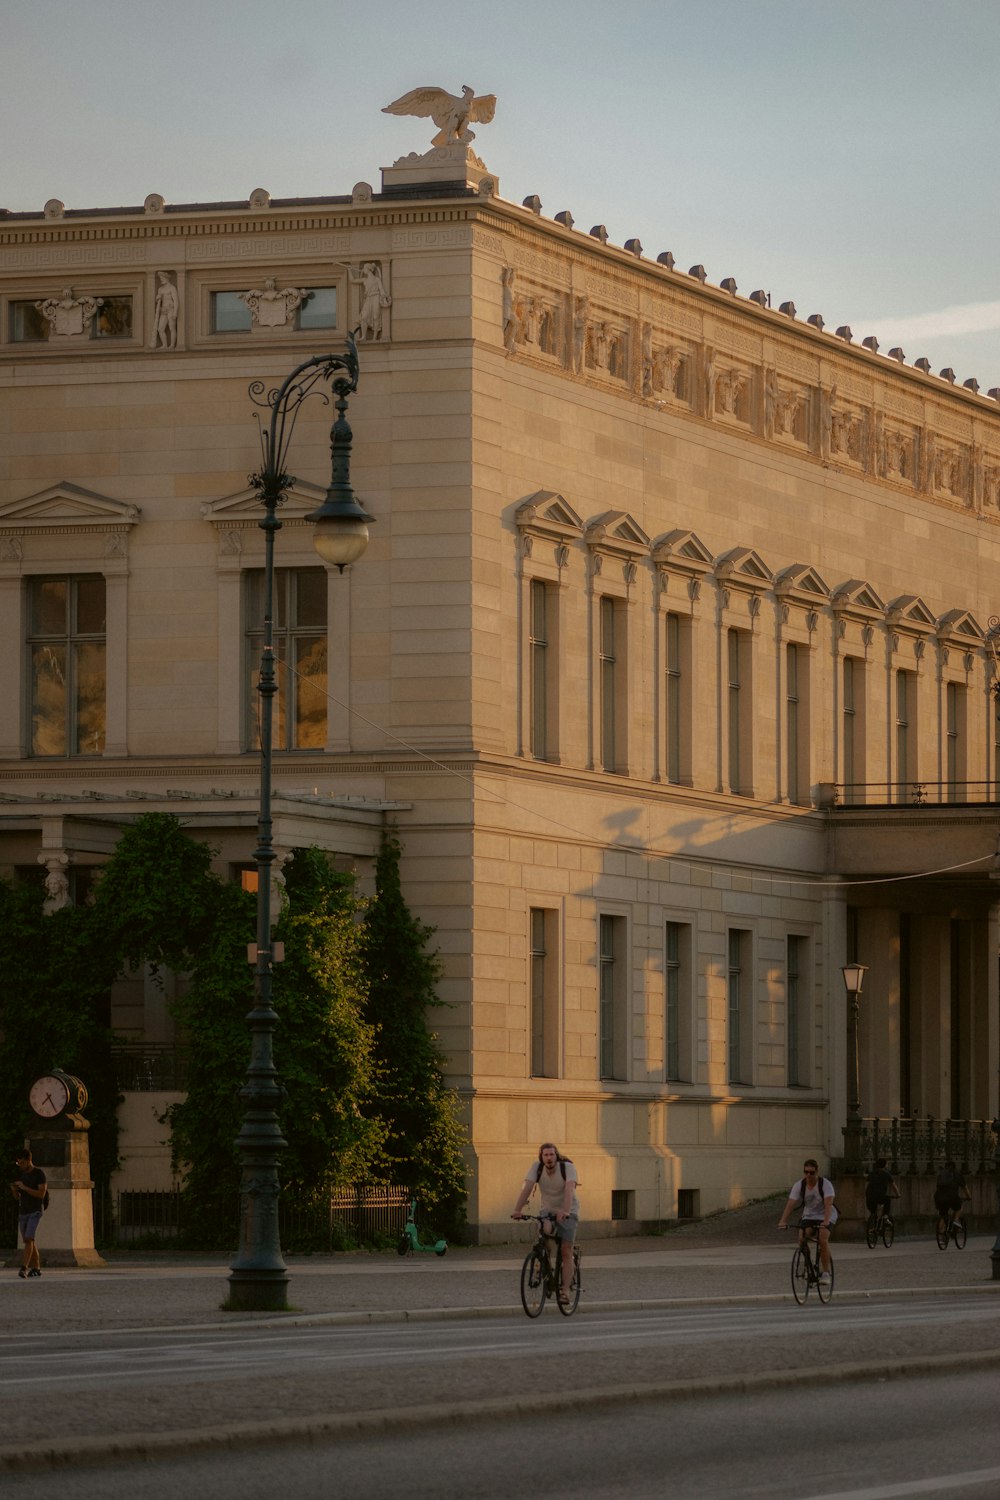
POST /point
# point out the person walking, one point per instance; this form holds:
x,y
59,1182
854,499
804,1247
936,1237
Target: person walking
x,y
30,1191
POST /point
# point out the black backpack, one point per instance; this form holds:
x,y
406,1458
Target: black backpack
x,y
819,1188
562,1167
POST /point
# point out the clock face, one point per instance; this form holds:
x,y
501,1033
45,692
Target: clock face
x,y
48,1096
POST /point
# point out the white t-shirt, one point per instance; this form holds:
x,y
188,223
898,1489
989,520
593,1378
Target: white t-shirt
x,y
812,1208
552,1186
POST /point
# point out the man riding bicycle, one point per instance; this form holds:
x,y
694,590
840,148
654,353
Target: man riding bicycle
x,y
814,1195
556,1181
879,1188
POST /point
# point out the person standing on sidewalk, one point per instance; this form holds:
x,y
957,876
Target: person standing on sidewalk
x,y
556,1181
814,1195
29,1189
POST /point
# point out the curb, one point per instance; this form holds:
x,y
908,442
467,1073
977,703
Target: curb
x,y
149,1447
238,1321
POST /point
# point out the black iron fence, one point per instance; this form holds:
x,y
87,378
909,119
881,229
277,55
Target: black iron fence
x,y
357,1215
914,1146
365,1215
142,1069
909,793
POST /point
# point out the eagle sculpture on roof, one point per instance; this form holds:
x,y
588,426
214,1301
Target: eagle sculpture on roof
x,y
451,113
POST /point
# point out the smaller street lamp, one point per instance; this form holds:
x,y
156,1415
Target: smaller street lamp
x,y
258,1277
854,978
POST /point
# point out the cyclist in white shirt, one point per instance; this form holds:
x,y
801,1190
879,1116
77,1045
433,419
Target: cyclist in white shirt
x,y
556,1181
814,1194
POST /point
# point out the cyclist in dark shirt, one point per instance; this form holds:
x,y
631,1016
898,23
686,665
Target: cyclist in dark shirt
x,y
880,1187
950,1193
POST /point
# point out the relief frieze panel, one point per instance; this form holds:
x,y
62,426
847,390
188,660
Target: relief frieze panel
x,y
606,289
269,247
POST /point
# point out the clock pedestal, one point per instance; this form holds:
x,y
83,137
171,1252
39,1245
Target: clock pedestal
x,y
66,1233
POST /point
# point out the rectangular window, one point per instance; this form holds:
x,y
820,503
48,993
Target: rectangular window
x,y
676,706
110,319
613,998
739,706
609,686
795,1010
230,313
319,310
853,676
300,649
955,741
544,980
67,672
677,986
114,318
538,648
793,705
739,994
906,770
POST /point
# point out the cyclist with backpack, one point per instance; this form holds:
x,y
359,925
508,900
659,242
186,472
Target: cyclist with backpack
x,y
814,1195
555,1178
949,1193
880,1187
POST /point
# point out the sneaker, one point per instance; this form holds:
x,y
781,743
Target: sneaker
x,y
825,1278
34,1272
22,1273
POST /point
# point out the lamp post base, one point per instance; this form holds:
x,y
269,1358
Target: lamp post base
x,y
257,1291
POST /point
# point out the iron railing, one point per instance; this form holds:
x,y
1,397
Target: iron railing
x,y
912,793
144,1069
914,1146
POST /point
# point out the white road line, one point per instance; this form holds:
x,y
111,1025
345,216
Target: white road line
x,y
941,1485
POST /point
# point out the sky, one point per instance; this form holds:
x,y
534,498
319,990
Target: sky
x,y
840,154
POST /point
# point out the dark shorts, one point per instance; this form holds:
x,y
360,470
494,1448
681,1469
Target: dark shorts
x,y
567,1229
28,1224
943,1201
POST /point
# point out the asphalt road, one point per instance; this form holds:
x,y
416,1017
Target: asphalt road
x,y
936,1439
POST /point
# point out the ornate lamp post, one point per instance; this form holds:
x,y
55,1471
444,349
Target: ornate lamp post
x,y
258,1278
854,978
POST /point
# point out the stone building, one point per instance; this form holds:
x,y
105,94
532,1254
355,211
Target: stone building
x,y
670,657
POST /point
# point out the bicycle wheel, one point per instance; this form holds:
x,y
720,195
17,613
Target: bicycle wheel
x,y
871,1230
825,1288
569,1308
533,1284
943,1235
888,1232
800,1276
959,1233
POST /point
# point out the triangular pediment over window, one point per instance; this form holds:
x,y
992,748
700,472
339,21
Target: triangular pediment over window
x,y
616,531
66,504
744,565
683,551
245,508
910,611
859,598
548,514
961,628
801,581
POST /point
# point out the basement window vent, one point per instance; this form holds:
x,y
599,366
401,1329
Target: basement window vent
x,y
688,1206
622,1203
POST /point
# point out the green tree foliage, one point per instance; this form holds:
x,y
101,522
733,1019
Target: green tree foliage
x,y
424,1140
54,1014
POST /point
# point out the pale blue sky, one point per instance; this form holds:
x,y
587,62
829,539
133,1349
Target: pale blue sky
x,y
840,155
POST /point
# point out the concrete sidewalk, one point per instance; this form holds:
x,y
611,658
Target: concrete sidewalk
x,y
157,1292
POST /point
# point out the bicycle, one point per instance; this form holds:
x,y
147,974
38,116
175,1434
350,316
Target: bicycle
x,y
541,1279
951,1229
881,1225
807,1269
